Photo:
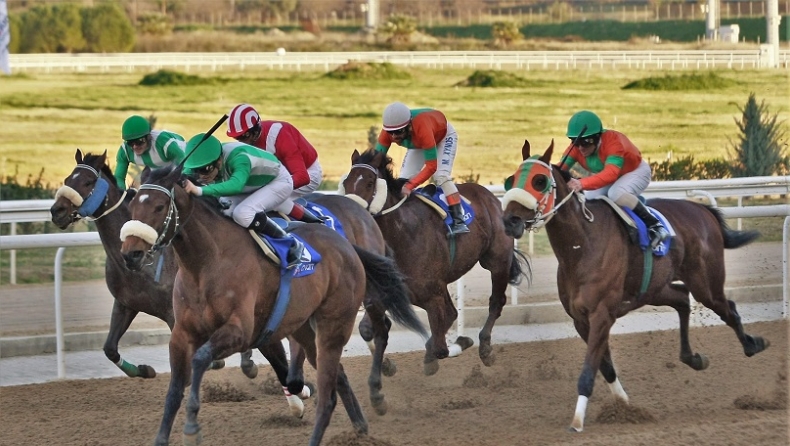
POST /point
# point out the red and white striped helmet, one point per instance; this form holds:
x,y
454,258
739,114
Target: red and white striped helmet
x,y
242,118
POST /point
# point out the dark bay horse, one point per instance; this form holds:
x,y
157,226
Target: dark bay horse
x,y
416,235
149,290
601,273
225,291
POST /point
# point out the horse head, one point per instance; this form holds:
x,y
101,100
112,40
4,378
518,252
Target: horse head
x,y
534,192
370,182
85,192
155,217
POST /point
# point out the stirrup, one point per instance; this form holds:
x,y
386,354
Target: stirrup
x,y
459,228
294,251
658,234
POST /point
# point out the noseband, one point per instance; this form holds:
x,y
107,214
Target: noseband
x,y
90,204
148,233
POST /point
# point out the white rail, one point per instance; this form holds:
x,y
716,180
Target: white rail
x,y
325,61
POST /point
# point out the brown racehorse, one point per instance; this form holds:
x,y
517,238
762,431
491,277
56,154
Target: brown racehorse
x,y
418,239
225,292
600,271
147,290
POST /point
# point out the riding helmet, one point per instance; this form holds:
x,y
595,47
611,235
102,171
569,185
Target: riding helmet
x,y
396,116
242,118
585,121
135,127
205,154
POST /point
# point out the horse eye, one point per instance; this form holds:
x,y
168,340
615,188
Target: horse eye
x,y
159,208
540,182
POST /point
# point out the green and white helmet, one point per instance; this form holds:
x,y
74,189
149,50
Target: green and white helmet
x,y
208,151
135,127
583,124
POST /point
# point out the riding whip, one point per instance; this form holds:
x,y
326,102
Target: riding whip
x,y
205,137
575,141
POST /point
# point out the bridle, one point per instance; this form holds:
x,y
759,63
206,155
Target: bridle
x,y
376,205
87,206
148,233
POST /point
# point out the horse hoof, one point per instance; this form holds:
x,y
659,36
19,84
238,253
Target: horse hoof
x,y
465,342
379,404
217,365
146,371
575,430
755,345
430,368
250,370
192,439
489,360
388,367
308,390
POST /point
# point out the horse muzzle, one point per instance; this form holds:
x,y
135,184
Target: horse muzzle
x,y
62,216
514,226
134,260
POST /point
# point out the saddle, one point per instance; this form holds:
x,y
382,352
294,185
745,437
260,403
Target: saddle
x,y
637,231
433,196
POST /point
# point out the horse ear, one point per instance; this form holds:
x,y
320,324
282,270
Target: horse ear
x,y
103,158
546,158
355,156
78,156
174,177
525,150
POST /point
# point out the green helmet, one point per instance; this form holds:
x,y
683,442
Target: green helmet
x,y
208,152
584,121
135,127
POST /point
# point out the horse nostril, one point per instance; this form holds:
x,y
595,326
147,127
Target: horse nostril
x,y
133,260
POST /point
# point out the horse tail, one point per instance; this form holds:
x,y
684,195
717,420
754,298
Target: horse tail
x,y
732,238
520,268
387,284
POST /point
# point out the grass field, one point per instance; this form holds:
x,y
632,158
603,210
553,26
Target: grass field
x,y
46,117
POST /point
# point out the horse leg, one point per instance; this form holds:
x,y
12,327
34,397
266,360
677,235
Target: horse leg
x,y
677,297
180,350
275,354
248,366
224,342
607,365
388,367
374,329
496,302
713,297
120,320
441,314
598,324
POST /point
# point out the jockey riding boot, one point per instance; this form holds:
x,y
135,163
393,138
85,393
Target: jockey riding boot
x,y
458,226
264,225
301,213
655,230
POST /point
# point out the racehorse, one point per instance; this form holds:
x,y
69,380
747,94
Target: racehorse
x,y
416,235
90,192
602,275
225,291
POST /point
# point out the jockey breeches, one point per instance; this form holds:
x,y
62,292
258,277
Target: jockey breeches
x,y
273,196
626,189
316,177
446,150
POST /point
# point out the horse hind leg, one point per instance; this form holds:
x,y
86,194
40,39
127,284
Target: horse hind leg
x,y
120,320
496,302
610,375
275,355
374,329
676,295
751,344
441,314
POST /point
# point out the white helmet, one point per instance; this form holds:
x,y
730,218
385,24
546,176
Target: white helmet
x,y
396,116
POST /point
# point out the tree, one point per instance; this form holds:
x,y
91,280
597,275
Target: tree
x,y
107,29
51,29
505,33
398,28
761,146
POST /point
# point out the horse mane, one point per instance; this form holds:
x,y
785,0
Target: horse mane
x,y
155,175
90,158
563,173
394,185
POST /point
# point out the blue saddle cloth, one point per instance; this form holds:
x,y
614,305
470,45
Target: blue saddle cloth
x,y
436,194
329,218
644,239
310,257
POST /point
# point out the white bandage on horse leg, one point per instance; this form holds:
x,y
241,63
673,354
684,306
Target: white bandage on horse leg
x,y
294,403
617,390
455,350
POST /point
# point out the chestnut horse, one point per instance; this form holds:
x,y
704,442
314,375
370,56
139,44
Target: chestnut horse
x,y
601,274
225,291
149,290
417,236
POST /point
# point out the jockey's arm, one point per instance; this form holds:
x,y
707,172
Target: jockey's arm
x,y
240,168
121,167
384,142
289,155
427,170
610,173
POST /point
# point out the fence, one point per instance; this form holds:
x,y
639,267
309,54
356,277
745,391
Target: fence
x,y
326,61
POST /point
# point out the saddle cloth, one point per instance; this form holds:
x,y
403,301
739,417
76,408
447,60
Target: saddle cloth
x,y
434,197
637,229
276,250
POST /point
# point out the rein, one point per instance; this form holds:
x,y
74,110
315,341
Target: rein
x,y
172,217
542,219
90,204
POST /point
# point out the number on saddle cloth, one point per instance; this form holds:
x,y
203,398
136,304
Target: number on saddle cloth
x,y
642,234
280,246
325,214
436,195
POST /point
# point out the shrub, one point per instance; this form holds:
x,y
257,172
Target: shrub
x,y
708,81
32,189
51,29
760,147
493,78
398,29
107,29
505,33
169,77
154,24
367,70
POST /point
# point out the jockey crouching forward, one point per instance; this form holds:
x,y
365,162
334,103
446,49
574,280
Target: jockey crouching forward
x,y
431,144
284,141
618,169
145,147
254,181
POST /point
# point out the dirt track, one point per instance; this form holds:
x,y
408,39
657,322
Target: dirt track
x,y
526,398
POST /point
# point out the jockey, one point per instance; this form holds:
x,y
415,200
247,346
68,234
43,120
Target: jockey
x,y
284,141
431,142
618,170
253,180
145,147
